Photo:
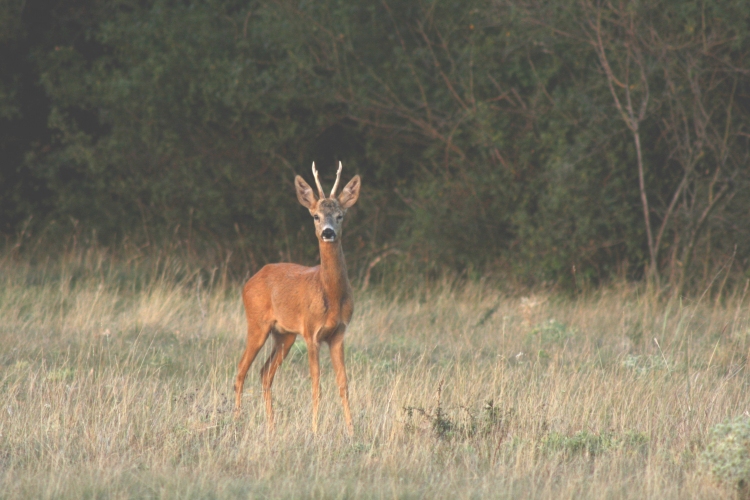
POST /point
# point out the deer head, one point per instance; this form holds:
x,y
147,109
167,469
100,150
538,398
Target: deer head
x,y
327,212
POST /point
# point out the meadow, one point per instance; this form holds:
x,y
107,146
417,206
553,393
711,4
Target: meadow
x,y
116,382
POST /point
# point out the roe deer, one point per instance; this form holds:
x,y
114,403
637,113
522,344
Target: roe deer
x,y
287,300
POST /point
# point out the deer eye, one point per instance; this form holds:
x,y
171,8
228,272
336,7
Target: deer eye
x,y
316,217
339,217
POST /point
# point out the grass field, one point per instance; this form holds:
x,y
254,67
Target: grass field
x,y
117,382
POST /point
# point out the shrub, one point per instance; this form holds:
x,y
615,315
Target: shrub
x,y
590,444
728,452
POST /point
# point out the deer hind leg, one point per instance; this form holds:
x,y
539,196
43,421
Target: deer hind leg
x,y
282,345
256,337
337,359
313,358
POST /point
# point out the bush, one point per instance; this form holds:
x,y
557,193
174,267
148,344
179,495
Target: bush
x,y
591,444
728,452
485,138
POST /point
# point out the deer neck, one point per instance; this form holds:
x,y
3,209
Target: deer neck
x,y
333,269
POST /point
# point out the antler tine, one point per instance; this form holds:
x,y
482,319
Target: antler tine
x,y
321,194
336,184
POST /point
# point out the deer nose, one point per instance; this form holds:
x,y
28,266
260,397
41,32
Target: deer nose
x,y
328,234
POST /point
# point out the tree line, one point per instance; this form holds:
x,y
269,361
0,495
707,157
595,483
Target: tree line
x,y
559,142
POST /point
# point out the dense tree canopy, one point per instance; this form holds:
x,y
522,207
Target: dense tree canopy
x,y
553,141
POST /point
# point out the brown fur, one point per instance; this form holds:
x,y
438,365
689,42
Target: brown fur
x,y
287,300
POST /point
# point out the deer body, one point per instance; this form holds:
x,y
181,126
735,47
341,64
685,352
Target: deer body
x,y
286,300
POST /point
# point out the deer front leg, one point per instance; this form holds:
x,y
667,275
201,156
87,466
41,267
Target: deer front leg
x,y
337,359
313,358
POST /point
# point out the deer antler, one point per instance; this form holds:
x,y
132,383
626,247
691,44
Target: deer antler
x,y
336,184
321,194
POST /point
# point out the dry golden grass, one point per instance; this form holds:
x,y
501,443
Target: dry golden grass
x,y
117,382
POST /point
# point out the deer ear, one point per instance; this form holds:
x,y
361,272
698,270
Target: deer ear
x,y
305,193
350,193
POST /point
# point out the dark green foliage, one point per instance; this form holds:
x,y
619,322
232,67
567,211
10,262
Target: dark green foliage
x,y
486,131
